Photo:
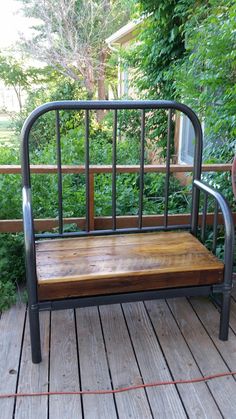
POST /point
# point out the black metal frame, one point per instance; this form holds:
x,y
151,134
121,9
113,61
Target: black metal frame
x,y
34,304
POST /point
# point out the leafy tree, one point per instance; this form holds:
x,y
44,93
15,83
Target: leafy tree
x,y
71,37
15,75
161,43
206,77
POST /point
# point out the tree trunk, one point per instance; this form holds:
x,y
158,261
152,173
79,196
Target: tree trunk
x,y
101,84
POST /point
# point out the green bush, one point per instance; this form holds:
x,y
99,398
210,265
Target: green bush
x,y
11,267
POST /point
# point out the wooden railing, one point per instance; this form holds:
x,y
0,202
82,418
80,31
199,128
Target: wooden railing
x,y
100,223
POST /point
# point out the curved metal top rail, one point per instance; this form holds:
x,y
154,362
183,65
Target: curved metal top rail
x,y
109,105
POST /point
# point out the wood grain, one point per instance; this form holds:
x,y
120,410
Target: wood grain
x,y
210,317
11,331
34,377
196,397
94,369
43,168
64,373
164,401
123,263
123,365
104,223
209,361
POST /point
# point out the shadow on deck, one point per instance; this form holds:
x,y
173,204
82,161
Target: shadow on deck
x,y
117,346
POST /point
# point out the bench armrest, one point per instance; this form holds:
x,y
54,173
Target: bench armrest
x,y
30,255
228,225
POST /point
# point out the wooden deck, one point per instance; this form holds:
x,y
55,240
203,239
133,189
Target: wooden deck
x,y
116,346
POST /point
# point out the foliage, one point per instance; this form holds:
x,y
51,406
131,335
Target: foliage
x,y
71,37
11,267
206,77
56,87
15,75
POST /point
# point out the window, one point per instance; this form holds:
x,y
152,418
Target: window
x,y
186,140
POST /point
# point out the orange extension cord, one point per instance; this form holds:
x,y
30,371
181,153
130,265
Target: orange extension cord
x,y
120,390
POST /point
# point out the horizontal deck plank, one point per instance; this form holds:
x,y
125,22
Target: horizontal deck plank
x,y
123,263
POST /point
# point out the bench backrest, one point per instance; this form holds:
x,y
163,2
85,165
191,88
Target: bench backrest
x,y
146,108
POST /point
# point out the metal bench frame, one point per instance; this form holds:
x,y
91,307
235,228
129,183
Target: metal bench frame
x,y
224,289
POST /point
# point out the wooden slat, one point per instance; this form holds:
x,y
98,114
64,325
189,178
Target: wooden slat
x,y
123,366
11,331
34,377
93,365
133,262
158,168
165,401
210,318
64,367
197,398
209,361
103,223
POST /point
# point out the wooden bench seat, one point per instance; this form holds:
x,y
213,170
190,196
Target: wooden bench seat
x,y
123,263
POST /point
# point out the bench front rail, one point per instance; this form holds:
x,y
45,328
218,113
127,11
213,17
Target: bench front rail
x,y
91,267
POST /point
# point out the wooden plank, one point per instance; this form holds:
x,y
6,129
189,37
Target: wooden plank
x,y
123,366
122,263
93,365
210,317
158,168
11,331
164,401
209,361
34,377
196,397
64,366
104,223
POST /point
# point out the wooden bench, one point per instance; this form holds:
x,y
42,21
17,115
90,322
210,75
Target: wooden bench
x,y
91,267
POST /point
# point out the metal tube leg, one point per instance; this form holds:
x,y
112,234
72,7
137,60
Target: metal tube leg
x,y
35,335
224,317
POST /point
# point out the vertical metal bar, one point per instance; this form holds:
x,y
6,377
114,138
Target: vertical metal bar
x,y
91,200
59,173
87,170
197,169
215,224
204,213
141,173
167,180
114,171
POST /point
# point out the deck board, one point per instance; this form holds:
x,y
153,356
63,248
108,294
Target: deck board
x,y
118,346
209,361
123,365
196,396
93,365
64,367
11,332
210,317
165,401
34,377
